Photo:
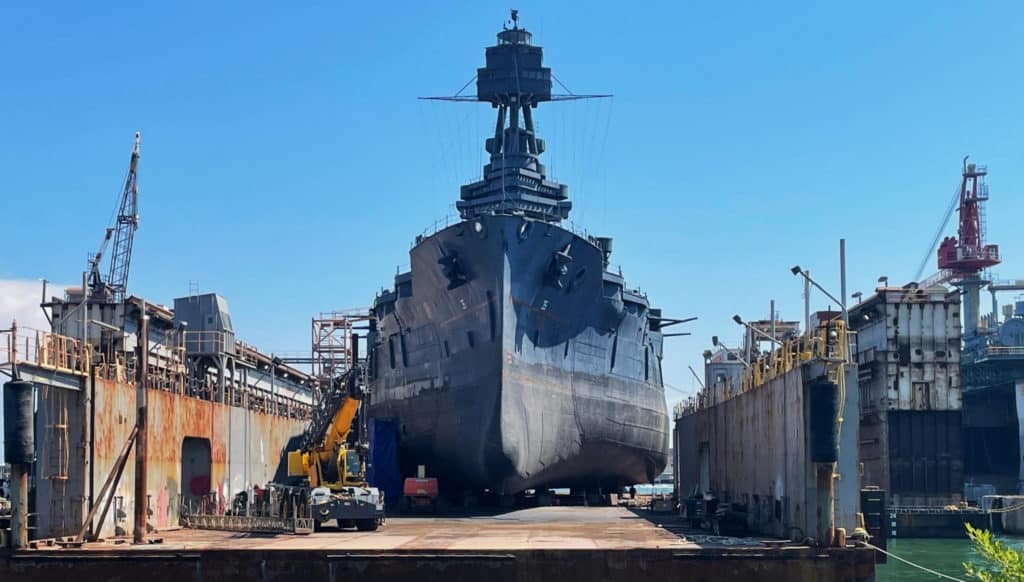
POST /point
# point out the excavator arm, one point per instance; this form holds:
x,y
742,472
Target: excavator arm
x,y
341,426
323,456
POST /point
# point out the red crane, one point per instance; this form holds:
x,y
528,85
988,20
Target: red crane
x,y
968,255
962,259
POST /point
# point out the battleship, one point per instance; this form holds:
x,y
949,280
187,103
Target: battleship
x,y
509,355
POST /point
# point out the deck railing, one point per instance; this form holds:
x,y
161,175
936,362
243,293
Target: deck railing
x,y
829,343
21,345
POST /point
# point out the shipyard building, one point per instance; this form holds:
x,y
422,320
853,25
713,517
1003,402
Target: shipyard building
x,y
908,360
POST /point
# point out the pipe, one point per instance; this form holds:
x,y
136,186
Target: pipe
x,y
807,302
42,306
88,383
842,282
110,484
141,498
995,309
748,340
694,372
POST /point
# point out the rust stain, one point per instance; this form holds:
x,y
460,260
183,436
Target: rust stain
x,y
244,446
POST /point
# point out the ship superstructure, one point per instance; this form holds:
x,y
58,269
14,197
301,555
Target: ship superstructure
x,y
509,354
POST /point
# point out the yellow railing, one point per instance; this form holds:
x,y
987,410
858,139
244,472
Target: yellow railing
x,y
830,343
44,349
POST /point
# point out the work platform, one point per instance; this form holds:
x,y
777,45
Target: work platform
x,y
552,543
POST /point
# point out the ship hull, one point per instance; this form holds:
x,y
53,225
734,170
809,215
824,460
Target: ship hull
x,y
506,371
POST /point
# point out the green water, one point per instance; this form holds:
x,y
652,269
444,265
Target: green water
x,y
946,556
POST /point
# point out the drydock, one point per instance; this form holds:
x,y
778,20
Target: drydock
x,y
149,441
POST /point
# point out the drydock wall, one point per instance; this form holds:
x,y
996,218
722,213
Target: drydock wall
x,y
908,354
288,565
993,431
195,447
753,449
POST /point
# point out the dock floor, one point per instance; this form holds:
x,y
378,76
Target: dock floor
x,y
552,528
549,543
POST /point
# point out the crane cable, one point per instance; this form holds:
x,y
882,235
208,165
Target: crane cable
x,y
938,234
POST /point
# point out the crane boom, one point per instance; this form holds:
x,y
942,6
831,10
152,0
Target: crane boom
x,y
332,420
123,234
127,223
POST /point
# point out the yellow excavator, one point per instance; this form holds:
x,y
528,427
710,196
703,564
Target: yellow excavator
x,y
331,467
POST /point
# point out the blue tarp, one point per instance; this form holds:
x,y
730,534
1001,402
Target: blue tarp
x,y
382,466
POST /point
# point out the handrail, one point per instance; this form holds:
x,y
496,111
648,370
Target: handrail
x,y
1005,350
21,345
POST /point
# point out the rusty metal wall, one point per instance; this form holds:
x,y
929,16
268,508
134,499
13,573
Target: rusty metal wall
x,y
244,451
756,445
758,455
59,471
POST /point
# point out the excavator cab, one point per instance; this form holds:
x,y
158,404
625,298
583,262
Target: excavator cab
x,y
353,467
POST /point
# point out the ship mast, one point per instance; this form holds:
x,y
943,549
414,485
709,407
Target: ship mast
x,y
514,81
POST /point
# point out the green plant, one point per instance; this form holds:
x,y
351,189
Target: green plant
x,y
999,563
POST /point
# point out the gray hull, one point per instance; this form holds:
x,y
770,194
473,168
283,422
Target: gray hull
x,y
512,360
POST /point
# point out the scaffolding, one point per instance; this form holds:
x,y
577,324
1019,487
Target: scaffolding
x,y
335,344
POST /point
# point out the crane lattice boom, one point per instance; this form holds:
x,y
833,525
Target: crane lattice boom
x,y
123,233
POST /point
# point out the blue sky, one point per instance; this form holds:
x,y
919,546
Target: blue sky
x,y
288,165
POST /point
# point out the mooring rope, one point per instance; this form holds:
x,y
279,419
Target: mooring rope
x,y
1007,509
909,563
